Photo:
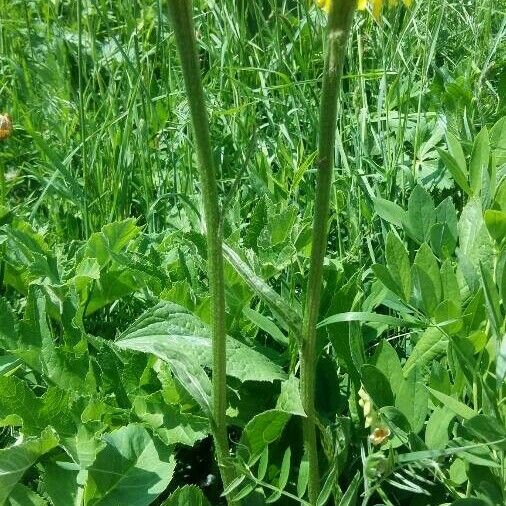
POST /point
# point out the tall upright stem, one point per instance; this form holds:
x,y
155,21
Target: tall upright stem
x,y
181,15
338,31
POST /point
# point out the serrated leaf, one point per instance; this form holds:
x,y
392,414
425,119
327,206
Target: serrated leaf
x,y
189,495
289,399
171,332
16,460
143,467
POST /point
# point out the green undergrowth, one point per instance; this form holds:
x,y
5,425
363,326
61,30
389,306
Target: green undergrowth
x,y
105,350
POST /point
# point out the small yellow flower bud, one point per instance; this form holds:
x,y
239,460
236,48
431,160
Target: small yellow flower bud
x,y
377,5
5,126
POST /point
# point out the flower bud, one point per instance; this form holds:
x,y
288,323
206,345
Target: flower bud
x,y
5,126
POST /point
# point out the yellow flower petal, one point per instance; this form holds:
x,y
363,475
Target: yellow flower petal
x,y
362,4
324,4
379,435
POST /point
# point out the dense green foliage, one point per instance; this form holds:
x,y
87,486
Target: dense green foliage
x,y
105,349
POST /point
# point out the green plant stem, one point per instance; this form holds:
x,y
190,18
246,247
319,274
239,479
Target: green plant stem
x,y
338,31
181,15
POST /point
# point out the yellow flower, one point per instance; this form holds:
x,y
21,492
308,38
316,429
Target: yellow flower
x,y
324,4
379,435
377,5
5,126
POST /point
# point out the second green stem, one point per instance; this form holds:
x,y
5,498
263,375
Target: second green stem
x,y
338,31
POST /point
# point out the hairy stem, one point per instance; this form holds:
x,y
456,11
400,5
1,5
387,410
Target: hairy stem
x,y
338,32
181,15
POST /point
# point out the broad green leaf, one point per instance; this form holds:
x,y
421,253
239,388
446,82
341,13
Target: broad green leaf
x,y
456,171
16,460
390,211
479,160
61,485
387,361
448,316
475,244
421,214
18,405
377,386
496,224
399,265
172,333
447,214
453,404
488,429
327,488
277,304
143,467
170,424
437,428
289,399
442,241
259,432
427,278
449,284
456,151
383,274
189,495
8,334
498,140
412,399
266,325
431,344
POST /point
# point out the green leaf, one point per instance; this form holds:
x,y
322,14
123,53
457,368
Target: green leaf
x,y
23,496
303,477
360,316
427,278
456,151
412,399
421,214
171,332
16,460
492,300
498,140
266,325
327,488
436,430
453,404
283,476
488,429
8,334
143,467
455,170
276,303
350,496
496,224
377,386
431,344
189,495
448,316
390,211
399,265
60,484
479,160
387,361
289,399
259,432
